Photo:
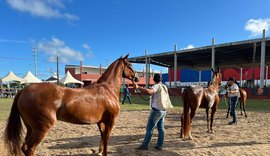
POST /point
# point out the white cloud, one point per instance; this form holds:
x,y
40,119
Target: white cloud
x,y
56,47
86,46
42,8
190,46
89,50
256,26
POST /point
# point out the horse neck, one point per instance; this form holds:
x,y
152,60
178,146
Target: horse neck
x,y
113,75
216,83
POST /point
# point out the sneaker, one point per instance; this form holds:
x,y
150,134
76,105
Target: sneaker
x,y
142,148
232,123
158,148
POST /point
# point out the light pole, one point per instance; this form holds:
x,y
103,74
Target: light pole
x,y
57,66
35,57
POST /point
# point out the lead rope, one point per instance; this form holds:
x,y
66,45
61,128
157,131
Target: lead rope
x,y
138,92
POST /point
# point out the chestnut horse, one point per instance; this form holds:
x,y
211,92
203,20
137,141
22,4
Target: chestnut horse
x,y
242,101
41,105
195,97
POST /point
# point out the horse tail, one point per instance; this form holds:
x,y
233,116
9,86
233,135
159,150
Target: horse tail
x,y
13,131
186,114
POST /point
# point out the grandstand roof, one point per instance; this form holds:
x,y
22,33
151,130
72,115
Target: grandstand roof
x,y
233,54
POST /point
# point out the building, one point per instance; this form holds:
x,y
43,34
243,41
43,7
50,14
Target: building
x,y
187,76
90,74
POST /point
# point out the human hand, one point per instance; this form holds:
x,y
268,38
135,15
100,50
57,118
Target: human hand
x,y
135,85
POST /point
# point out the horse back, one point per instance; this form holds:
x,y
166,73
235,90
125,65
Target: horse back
x,y
193,96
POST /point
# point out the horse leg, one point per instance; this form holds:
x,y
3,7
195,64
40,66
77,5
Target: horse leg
x,y
244,108
241,105
207,118
34,139
213,111
36,131
192,114
101,128
108,127
28,134
105,130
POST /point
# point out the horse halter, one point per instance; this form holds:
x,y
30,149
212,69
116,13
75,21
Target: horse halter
x,y
135,78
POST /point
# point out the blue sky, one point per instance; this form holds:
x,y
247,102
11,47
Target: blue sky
x,y
100,31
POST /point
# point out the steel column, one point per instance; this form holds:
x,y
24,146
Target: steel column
x,y
200,76
175,66
253,65
262,65
213,55
241,77
146,69
266,75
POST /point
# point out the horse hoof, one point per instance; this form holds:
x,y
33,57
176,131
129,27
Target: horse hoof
x,y
246,116
188,138
213,132
99,154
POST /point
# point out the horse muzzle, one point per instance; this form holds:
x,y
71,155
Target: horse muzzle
x,y
136,79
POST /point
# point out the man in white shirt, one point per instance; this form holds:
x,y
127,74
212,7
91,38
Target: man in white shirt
x,y
233,95
157,115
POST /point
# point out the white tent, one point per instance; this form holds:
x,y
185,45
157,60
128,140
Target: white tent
x,y
30,78
11,77
68,78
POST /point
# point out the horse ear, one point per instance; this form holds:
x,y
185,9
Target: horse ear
x,y
126,56
218,69
212,70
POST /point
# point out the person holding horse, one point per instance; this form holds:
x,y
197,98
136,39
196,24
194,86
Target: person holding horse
x,y
233,95
159,96
127,94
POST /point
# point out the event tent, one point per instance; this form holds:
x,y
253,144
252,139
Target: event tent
x,y
51,79
68,78
30,78
11,77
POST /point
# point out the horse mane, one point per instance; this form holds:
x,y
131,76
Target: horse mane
x,y
106,75
211,88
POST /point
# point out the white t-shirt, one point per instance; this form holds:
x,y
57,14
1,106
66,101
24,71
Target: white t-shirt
x,y
234,88
153,101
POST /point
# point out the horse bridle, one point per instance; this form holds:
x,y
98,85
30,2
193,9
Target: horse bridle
x,y
129,65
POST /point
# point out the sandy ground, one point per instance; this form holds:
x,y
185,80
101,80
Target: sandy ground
x,y
250,137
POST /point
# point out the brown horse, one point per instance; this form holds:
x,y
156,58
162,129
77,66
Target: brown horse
x,y
242,101
41,105
195,97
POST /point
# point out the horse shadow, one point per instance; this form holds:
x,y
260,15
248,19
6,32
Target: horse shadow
x,y
118,145
127,144
227,144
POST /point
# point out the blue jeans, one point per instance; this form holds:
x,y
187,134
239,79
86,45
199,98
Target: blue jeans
x,y
233,104
124,99
156,118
